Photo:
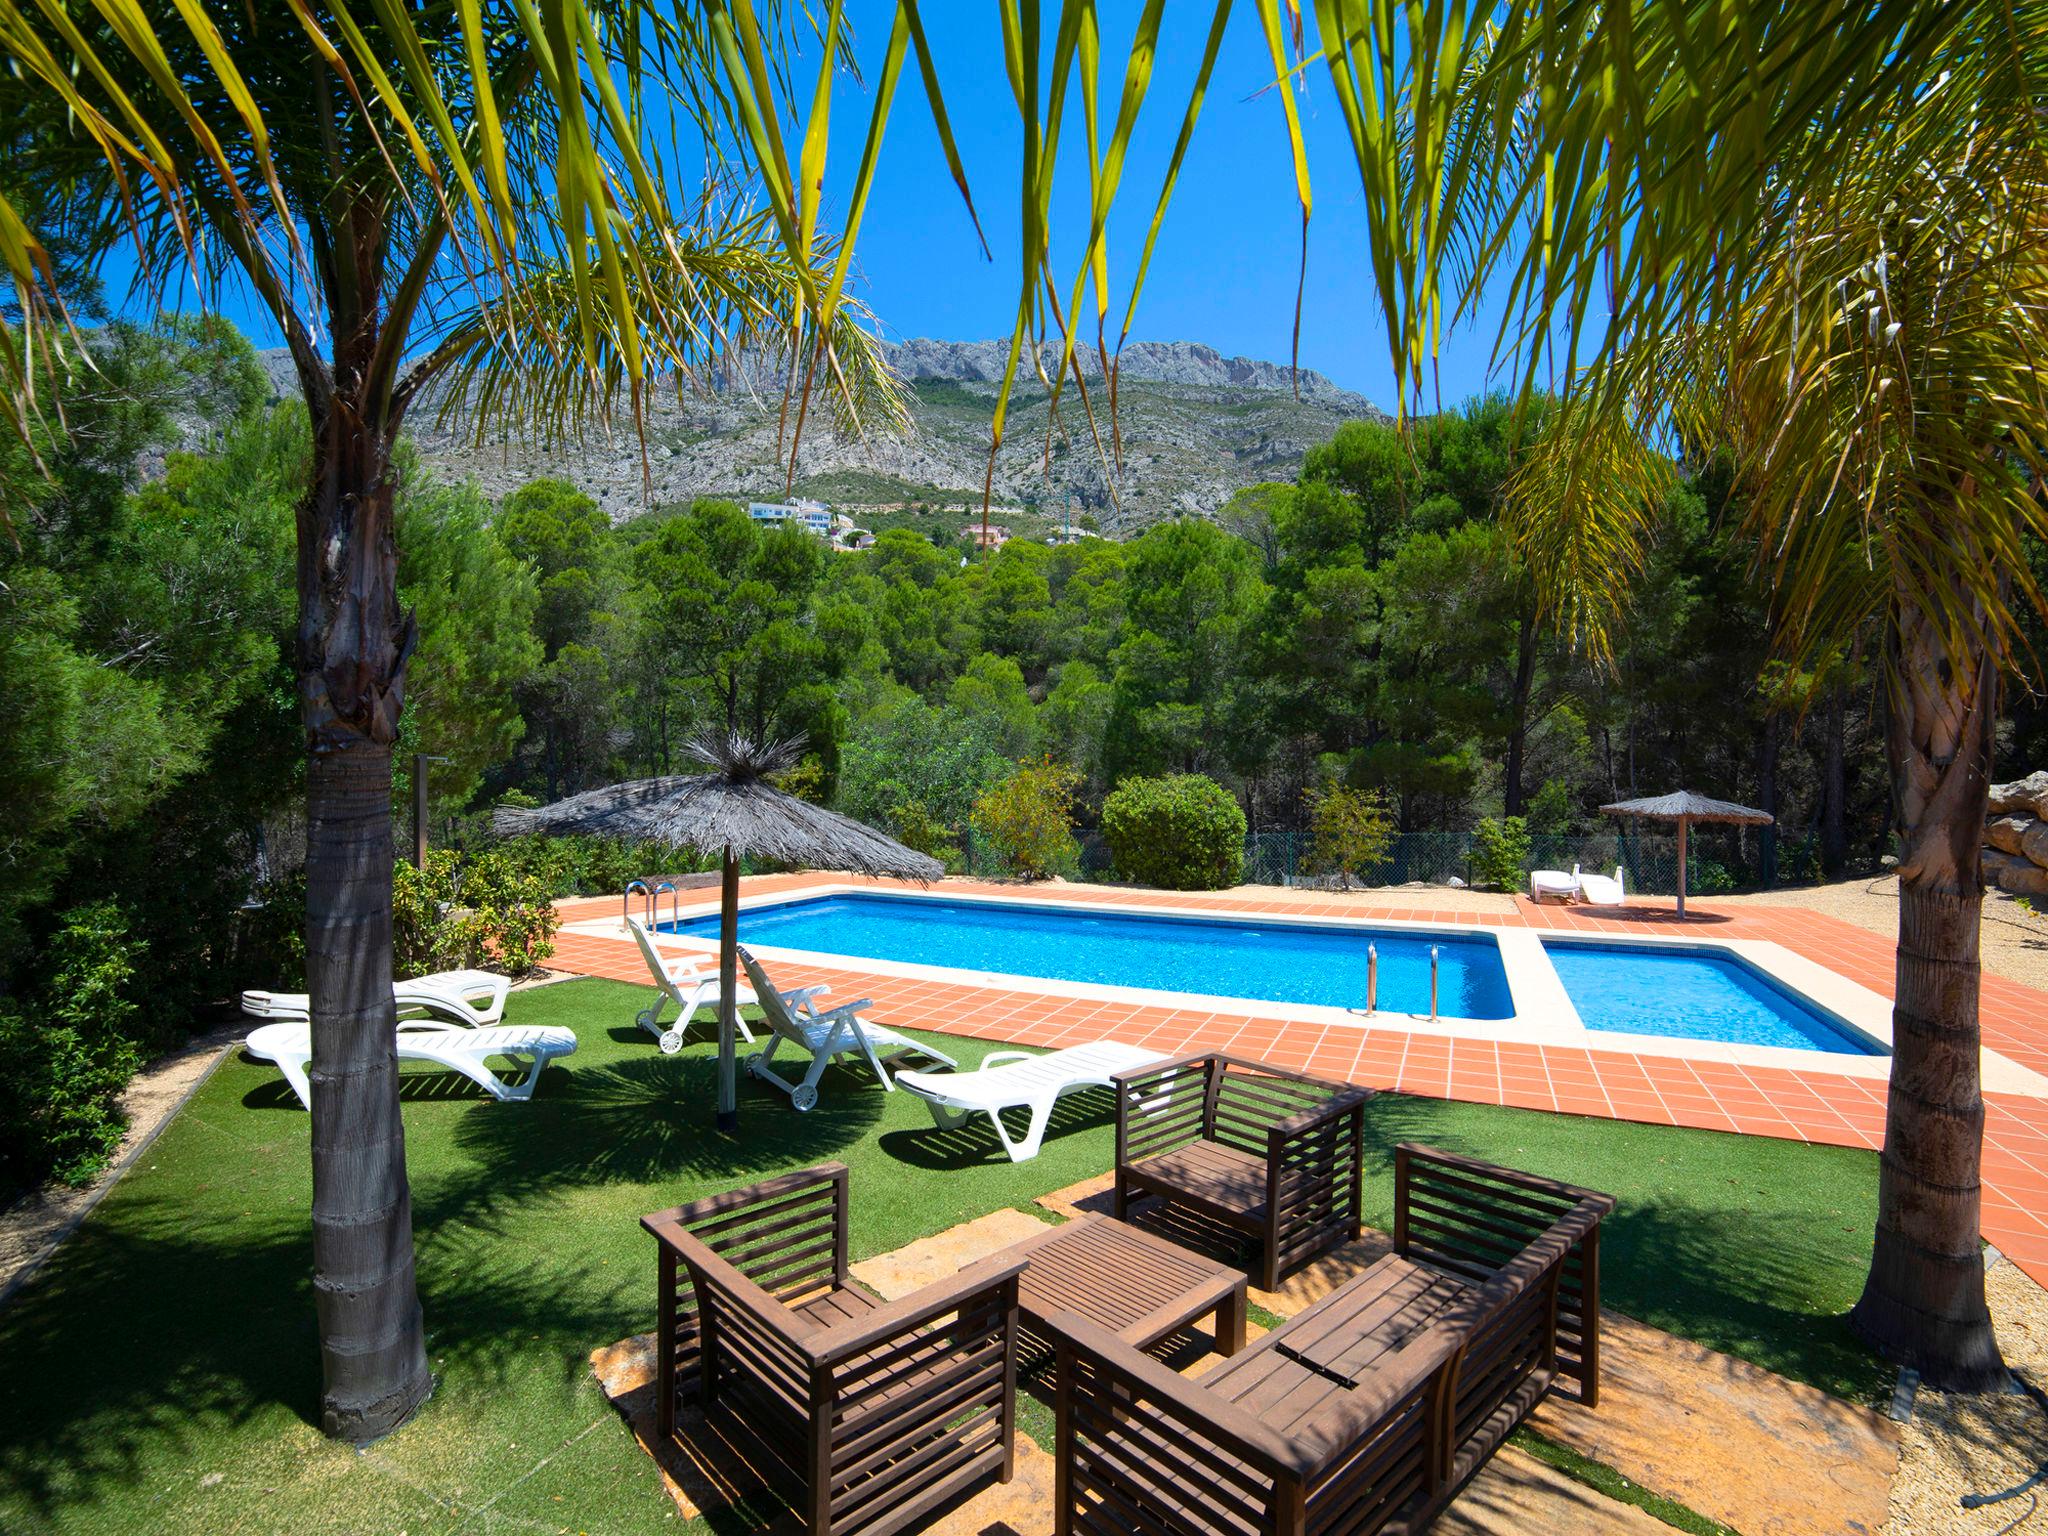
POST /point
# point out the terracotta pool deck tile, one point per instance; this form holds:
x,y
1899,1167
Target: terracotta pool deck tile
x,y
1817,1105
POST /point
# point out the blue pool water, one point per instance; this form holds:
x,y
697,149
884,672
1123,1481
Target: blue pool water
x,y
1692,995
1279,962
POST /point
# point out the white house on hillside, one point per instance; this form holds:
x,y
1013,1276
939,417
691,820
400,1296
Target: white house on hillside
x,y
811,516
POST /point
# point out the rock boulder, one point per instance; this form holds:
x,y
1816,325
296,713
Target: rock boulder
x,y
2014,875
2006,832
2027,797
2034,844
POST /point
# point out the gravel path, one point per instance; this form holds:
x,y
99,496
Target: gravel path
x,y
1958,1445
2015,940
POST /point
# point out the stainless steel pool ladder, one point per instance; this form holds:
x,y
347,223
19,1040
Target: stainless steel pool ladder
x,y
651,907
626,902
1432,983
1372,979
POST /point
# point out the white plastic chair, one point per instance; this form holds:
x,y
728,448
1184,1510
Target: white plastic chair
x,y
472,999
1599,890
685,981
1022,1080
824,1036
290,1046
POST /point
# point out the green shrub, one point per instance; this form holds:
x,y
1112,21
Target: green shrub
x,y
917,829
70,1052
1349,831
1028,820
1184,832
1500,852
1707,877
488,909
272,934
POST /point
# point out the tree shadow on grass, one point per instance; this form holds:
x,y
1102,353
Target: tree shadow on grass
x,y
172,1321
650,1119
1759,1279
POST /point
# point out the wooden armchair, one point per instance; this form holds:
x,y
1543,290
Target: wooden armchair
x,y
1369,1411
1275,1156
866,1415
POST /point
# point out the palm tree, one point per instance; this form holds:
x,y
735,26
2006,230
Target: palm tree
x,y
1873,359
459,203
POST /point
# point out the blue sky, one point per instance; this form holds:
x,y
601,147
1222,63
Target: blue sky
x,y
1228,257
1229,254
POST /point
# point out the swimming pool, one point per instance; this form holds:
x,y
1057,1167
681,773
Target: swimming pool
x,y
1219,957
1692,994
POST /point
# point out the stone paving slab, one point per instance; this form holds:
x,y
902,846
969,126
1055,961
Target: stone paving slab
x,y
1768,1456
944,1254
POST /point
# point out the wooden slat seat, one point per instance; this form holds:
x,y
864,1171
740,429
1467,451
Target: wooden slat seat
x,y
865,1414
1369,1411
840,1304
1208,1175
1265,1154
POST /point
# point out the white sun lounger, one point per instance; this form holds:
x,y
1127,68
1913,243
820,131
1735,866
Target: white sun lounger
x,y
1599,890
473,999
688,981
824,1036
290,1046
1553,884
1022,1080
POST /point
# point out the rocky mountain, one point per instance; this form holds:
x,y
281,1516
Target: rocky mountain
x,y
1195,426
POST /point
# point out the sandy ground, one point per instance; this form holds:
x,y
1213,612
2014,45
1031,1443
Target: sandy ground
x,y
2015,940
1959,1445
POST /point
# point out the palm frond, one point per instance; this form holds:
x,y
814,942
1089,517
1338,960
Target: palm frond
x,y
707,306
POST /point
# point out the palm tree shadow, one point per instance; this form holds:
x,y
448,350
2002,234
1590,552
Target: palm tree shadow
x,y
650,1119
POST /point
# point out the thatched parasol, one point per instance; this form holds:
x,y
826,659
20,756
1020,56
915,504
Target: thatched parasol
x,y
1685,807
734,812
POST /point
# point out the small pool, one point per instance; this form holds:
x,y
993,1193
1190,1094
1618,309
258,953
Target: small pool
x,y
1641,989
1219,957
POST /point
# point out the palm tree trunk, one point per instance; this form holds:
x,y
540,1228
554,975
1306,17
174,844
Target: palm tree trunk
x,y
352,650
1923,1303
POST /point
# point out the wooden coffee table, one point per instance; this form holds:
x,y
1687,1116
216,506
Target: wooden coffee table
x,y
1139,1287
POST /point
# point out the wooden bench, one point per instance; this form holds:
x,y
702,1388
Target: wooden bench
x,y
1370,1410
865,1415
1274,1156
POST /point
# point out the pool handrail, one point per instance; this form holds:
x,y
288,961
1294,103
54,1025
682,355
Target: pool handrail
x,y
1432,983
626,901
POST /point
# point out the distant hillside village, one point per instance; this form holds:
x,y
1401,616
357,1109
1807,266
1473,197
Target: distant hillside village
x,y
841,531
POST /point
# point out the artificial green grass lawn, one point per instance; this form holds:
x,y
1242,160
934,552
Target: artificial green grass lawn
x,y
162,1373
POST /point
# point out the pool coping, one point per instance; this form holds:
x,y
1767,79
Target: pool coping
x,y
1543,1014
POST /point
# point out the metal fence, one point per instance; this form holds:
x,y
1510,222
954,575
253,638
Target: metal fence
x,y
1719,859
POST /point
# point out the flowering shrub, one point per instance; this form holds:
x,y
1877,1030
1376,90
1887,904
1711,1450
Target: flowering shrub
x,y
483,910
1029,819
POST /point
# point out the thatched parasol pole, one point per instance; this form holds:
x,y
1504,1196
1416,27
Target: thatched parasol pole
x,y
1683,823
728,990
